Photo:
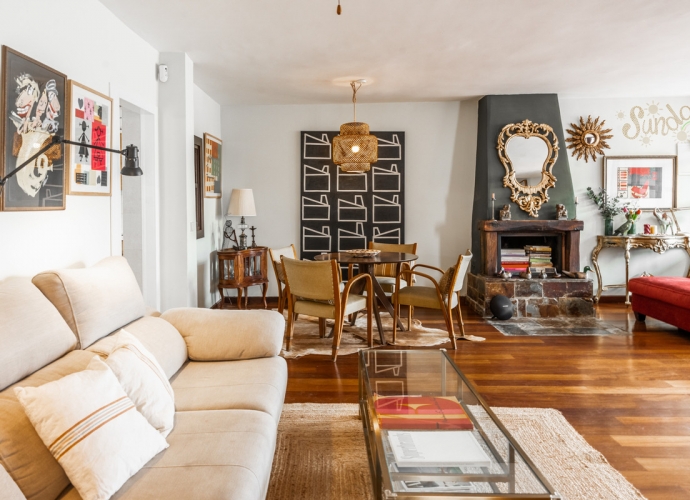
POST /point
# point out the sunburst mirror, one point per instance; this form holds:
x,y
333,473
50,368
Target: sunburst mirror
x,y
588,139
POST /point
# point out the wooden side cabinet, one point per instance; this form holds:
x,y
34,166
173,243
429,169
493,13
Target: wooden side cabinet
x,y
241,269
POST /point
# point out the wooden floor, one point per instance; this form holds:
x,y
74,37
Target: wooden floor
x,y
628,395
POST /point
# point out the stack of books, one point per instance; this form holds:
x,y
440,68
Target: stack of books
x,y
514,260
421,413
539,256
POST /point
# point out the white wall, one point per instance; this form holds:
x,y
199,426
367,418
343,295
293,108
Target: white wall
x,y
262,152
207,120
121,65
616,112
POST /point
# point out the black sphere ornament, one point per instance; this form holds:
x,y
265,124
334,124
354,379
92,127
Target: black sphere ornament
x,y
501,307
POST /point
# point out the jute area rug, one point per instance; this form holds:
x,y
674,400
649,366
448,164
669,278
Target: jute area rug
x,y
321,455
305,339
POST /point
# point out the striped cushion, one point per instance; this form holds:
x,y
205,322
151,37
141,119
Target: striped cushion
x,y
142,378
92,428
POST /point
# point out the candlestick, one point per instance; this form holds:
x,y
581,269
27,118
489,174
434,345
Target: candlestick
x,y
493,210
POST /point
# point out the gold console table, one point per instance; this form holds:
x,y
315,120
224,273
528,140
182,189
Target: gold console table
x,y
657,242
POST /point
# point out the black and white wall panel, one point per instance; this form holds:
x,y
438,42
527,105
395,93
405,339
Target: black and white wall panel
x,y
344,211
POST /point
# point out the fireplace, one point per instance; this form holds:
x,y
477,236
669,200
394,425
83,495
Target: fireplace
x,y
563,236
531,297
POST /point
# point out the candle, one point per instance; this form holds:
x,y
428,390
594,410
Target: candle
x,y
576,200
493,196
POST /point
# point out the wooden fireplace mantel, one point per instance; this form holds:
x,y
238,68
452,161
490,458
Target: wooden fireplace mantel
x,y
568,229
530,226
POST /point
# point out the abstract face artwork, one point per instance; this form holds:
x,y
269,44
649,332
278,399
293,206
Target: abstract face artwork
x,y
32,112
88,116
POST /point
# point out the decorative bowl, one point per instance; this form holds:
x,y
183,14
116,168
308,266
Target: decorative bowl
x,y
363,252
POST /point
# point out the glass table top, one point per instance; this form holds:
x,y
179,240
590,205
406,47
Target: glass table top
x,y
429,432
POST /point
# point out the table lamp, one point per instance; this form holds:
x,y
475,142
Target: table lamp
x,y
242,204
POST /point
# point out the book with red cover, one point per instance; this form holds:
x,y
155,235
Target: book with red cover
x,y
421,412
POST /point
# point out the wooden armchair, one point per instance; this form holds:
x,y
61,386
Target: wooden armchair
x,y
276,254
443,295
313,288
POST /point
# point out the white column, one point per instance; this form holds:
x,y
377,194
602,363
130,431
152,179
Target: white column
x,y
178,221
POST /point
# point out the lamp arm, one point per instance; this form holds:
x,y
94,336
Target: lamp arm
x,y
56,140
92,146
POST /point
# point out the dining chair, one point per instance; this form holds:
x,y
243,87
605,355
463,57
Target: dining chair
x,y
385,273
313,289
443,295
276,254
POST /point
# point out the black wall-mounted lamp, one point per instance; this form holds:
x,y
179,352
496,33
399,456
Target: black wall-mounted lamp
x,y
131,154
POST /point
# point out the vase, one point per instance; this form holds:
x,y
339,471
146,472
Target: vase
x,y
608,226
633,229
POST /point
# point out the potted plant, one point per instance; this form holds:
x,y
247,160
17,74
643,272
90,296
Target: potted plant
x,y
631,214
609,207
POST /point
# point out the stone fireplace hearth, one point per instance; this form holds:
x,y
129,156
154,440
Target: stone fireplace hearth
x,y
537,298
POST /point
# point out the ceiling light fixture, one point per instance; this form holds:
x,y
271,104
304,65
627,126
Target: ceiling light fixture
x,y
355,149
338,10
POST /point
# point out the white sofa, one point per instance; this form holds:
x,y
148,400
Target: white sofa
x,y
228,379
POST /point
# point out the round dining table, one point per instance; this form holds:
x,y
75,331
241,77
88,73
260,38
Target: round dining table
x,y
366,265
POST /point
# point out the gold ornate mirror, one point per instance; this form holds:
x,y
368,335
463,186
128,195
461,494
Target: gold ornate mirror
x,y
528,152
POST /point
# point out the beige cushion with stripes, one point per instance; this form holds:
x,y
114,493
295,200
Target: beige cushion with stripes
x,y
143,380
423,296
92,428
94,301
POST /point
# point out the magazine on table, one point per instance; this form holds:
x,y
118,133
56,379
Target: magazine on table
x,y
436,449
438,485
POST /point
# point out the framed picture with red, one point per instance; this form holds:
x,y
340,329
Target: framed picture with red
x,y
648,182
89,121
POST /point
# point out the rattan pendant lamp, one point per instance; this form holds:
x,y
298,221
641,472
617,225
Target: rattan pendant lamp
x,y
355,149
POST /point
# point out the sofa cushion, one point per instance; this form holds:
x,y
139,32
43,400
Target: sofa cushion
x,y
94,301
215,335
252,384
92,429
22,451
32,334
212,455
670,289
143,379
9,489
158,336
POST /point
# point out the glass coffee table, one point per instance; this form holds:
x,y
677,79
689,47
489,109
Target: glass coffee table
x,y
430,435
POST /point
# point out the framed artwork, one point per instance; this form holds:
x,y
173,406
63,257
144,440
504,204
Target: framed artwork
x,y
32,107
89,121
647,181
213,156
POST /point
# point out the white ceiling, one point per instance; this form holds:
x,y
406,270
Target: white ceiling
x,y
300,51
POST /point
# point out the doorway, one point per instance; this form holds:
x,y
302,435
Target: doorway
x,y
139,208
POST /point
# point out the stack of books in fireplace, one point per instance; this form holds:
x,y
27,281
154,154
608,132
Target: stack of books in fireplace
x,y
539,257
514,260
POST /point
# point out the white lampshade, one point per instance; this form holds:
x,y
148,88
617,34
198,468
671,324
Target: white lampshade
x,y
242,203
